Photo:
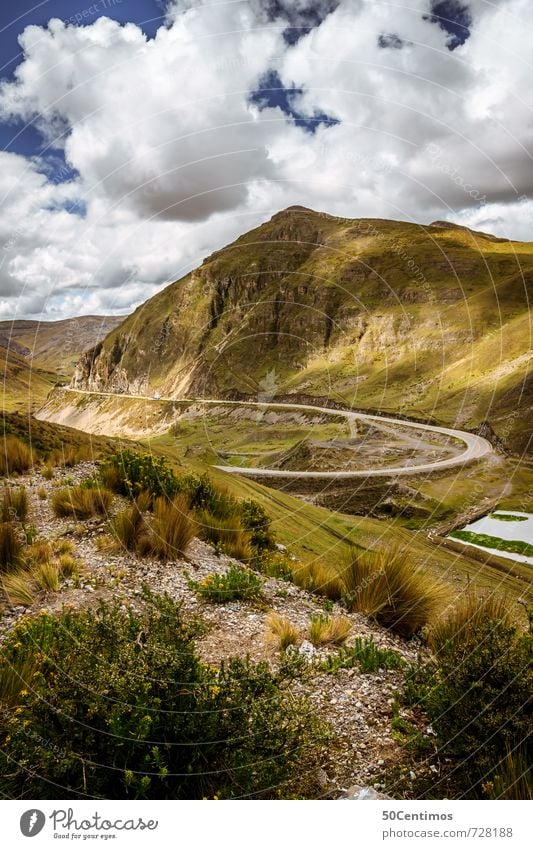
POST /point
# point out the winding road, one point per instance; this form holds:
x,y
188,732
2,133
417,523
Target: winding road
x,y
475,446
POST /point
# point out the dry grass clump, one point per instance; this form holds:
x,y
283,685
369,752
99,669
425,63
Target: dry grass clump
x,y
18,588
319,578
15,676
226,533
128,526
386,586
70,455
42,493
281,632
468,613
15,456
15,505
329,630
63,546
47,471
47,577
170,529
68,566
10,547
40,551
81,502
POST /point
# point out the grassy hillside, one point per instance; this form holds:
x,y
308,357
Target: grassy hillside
x,y
429,321
57,345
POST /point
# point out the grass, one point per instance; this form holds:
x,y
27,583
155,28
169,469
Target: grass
x,y
15,456
40,551
319,578
237,584
18,588
68,565
63,546
513,778
81,502
507,517
47,577
47,471
15,676
364,654
226,533
464,619
329,630
15,505
387,587
281,632
10,547
513,546
42,493
171,528
127,526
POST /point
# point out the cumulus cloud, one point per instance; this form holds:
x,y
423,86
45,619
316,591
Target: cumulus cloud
x,y
169,154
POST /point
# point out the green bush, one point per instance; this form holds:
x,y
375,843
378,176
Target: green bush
x,y
477,695
120,707
237,583
255,520
129,473
364,654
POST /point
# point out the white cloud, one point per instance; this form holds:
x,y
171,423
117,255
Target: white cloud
x,y
173,161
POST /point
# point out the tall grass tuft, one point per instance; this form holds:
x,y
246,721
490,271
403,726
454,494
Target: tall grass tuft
x,y
227,533
319,578
464,619
513,777
40,551
81,502
10,547
68,565
169,530
15,505
128,526
15,456
18,588
47,577
387,587
329,630
281,632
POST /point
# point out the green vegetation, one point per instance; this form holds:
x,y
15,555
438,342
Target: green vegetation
x,y
81,502
116,705
386,586
508,517
365,655
329,630
477,697
281,632
467,614
237,584
514,546
130,473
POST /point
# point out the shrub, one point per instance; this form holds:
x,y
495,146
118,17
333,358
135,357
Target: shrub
x,y
319,578
15,456
130,473
478,697
46,576
254,519
281,632
465,617
10,547
329,630
14,504
365,654
274,564
227,535
238,583
386,586
170,529
18,588
120,707
81,502
16,674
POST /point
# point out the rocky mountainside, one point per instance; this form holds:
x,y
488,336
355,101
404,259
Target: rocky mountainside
x,y
427,321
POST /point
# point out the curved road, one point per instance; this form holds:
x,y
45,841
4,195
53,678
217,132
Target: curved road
x,y
475,446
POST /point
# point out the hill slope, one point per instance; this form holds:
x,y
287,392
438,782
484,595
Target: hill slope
x,y
430,322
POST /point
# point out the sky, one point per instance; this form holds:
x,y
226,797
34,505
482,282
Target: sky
x,y
138,136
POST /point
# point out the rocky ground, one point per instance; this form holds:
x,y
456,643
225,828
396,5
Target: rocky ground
x,y
363,750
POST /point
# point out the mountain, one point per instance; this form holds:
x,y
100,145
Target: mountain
x,y
33,354
428,321
56,345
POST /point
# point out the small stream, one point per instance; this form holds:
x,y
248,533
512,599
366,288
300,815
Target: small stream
x,y
520,530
